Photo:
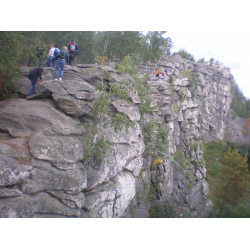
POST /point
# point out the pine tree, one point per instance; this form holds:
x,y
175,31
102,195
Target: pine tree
x,y
233,179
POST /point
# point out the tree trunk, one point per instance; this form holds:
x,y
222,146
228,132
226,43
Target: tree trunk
x,y
26,59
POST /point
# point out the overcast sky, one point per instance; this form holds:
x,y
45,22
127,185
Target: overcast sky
x,y
230,48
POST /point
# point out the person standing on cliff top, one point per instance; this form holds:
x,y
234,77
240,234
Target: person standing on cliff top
x,y
61,57
39,55
33,77
72,48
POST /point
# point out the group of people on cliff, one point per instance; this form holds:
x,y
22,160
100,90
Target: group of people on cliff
x,y
54,57
163,73
50,58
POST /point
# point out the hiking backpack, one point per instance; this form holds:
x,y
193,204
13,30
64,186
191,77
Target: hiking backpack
x,y
56,51
62,54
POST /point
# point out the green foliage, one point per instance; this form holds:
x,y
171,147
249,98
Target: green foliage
x,y
192,80
119,121
12,45
199,119
184,54
153,45
243,150
155,139
106,74
182,161
187,73
182,95
126,67
96,149
239,209
133,208
162,210
202,60
226,175
171,80
240,104
176,108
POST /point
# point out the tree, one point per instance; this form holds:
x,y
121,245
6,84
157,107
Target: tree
x,y
246,129
233,179
153,45
202,60
184,54
11,51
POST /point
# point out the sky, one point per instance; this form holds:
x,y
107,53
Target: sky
x,y
230,48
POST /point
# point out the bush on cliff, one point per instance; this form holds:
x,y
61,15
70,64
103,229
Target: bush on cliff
x,y
184,54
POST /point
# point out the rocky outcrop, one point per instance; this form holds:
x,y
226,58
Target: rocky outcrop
x,y
42,142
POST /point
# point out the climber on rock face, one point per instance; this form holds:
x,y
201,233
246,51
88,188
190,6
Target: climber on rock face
x,y
33,77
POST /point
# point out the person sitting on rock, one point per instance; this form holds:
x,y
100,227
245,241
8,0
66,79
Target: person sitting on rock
x,y
61,57
157,73
170,72
163,74
33,77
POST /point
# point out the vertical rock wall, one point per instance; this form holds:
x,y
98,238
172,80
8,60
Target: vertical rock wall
x,y
191,114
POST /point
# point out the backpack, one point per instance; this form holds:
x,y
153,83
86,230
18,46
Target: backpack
x,y
72,46
62,54
56,51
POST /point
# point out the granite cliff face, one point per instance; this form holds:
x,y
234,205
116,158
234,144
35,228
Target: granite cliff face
x,y
41,144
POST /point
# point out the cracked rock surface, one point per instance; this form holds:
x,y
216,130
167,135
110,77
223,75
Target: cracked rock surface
x,y
42,141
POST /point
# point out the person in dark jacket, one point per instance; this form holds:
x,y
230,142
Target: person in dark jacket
x,y
33,77
72,48
39,55
61,57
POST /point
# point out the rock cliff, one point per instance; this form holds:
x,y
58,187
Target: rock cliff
x,y
41,144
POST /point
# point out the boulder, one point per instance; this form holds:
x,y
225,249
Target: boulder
x,y
24,118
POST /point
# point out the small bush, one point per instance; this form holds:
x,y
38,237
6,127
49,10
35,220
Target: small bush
x,y
162,210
